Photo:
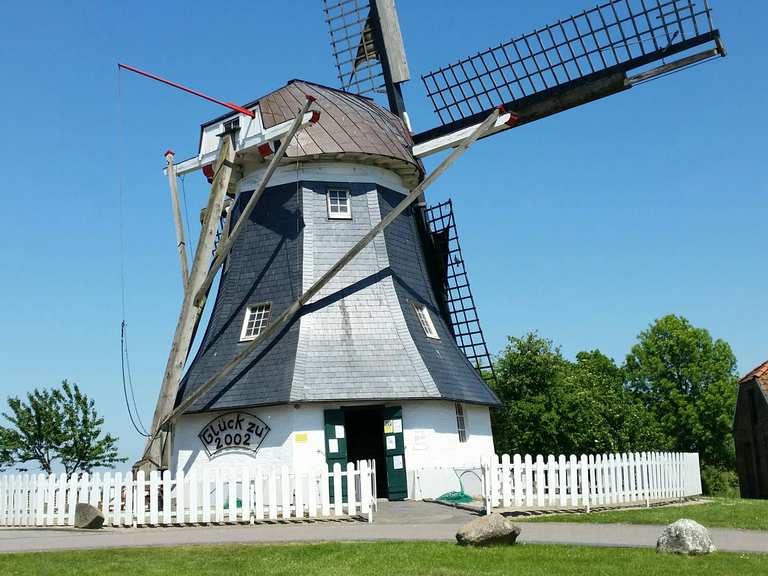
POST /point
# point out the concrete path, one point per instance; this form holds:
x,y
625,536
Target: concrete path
x,y
395,521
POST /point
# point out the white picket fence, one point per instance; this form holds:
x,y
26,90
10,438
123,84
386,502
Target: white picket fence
x,y
589,481
214,496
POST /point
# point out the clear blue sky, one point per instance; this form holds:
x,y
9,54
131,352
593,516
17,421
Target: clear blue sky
x,y
585,226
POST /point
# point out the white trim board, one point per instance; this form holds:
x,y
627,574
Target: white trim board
x,y
454,138
335,172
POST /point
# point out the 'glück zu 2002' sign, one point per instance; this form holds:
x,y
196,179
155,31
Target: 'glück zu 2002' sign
x,y
233,431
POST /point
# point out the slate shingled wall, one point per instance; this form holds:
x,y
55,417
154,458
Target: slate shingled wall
x,y
359,339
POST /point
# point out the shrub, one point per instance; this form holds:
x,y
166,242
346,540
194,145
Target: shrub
x,y
718,482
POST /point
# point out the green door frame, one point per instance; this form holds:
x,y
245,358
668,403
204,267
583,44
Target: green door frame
x,y
394,446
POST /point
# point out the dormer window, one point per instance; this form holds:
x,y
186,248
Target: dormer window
x,y
256,319
338,204
426,321
231,127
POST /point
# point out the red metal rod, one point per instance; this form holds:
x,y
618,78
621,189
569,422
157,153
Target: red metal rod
x,y
229,105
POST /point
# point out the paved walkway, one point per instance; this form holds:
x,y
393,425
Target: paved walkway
x,y
395,521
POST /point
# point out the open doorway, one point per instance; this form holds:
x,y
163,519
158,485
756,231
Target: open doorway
x,y
365,441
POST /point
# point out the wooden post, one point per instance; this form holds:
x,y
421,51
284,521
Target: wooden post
x,y
181,244
294,308
155,452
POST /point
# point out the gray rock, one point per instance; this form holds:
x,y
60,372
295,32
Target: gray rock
x,y
685,537
488,530
87,516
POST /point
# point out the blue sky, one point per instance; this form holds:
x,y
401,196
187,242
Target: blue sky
x,y
585,226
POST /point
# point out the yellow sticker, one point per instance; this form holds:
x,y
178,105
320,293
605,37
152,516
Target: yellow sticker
x,y
389,427
301,438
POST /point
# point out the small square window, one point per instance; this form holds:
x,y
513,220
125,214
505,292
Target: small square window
x,y
338,204
426,321
232,125
256,319
461,423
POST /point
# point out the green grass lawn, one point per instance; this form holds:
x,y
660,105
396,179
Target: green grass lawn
x,y
391,558
721,512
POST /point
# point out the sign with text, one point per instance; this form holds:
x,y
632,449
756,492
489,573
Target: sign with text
x,y
233,431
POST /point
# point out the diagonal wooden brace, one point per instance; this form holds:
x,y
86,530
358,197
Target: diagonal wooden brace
x,y
190,313
294,309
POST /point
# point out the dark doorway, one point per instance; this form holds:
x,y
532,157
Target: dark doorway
x,y
365,441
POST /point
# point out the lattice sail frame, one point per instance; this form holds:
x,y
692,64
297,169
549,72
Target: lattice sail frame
x,y
353,46
457,294
619,34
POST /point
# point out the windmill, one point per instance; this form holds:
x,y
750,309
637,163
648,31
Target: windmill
x,y
344,326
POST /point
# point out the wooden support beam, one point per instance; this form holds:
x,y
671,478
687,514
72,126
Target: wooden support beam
x,y
674,66
294,309
225,246
190,313
181,245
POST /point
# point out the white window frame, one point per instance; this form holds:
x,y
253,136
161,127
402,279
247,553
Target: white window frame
x,y
347,215
253,308
461,422
426,321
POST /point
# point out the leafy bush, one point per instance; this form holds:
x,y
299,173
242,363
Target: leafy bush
x,y
718,482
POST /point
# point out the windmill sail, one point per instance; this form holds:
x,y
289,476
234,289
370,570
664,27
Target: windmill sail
x,y
368,48
573,61
456,301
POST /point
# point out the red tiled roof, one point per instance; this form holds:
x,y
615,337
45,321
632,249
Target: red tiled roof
x,y
760,374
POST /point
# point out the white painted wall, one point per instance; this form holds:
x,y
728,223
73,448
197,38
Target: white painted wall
x,y
434,457
433,454
249,127
280,446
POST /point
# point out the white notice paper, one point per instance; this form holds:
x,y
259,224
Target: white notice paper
x,y
397,462
333,445
398,424
339,431
391,445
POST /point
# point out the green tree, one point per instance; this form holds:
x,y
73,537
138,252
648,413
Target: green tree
x,y
35,433
529,383
687,381
599,414
553,406
60,425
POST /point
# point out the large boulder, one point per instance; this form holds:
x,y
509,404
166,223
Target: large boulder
x,y
87,516
488,530
685,537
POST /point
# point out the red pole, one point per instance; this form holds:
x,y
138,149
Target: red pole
x,y
229,105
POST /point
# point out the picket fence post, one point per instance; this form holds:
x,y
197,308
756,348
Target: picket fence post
x,y
231,478
517,481
584,469
599,487
365,487
562,478
551,480
506,481
337,490
258,495
528,475
351,503
246,494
